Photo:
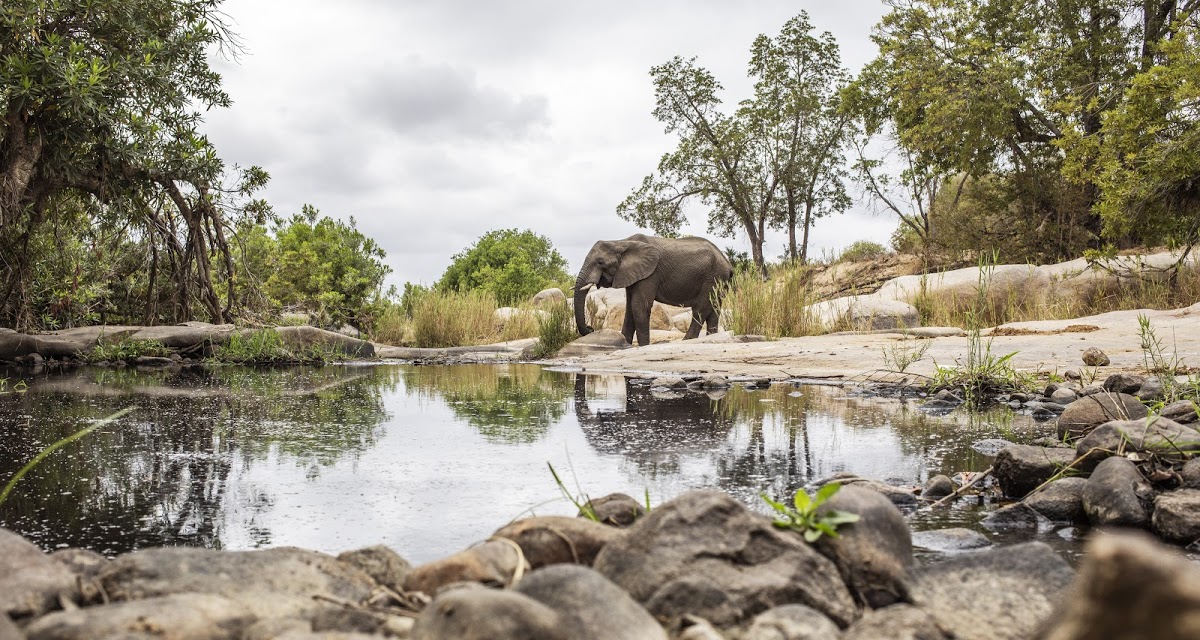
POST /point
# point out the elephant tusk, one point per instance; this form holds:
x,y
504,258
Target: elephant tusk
x,y
589,287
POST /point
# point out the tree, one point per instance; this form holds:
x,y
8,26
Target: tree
x,y
780,151
99,106
327,267
513,265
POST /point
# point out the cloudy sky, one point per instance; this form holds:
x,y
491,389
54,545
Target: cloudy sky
x,y
434,122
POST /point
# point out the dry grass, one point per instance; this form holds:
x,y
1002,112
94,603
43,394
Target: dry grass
x,y
453,320
775,308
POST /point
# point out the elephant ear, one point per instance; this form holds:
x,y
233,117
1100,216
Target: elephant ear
x,y
638,261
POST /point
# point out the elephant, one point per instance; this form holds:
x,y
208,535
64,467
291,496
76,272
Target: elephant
x,y
677,271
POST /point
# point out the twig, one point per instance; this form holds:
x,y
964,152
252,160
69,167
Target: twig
x,y
987,472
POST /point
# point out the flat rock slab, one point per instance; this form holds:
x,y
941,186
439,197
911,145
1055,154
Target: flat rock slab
x,y
481,353
272,583
188,616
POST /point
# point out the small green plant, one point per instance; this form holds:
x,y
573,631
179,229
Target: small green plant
x,y
555,330
583,502
803,516
862,251
126,349
266,346
899,356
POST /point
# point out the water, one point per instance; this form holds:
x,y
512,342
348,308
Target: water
x,y
430,459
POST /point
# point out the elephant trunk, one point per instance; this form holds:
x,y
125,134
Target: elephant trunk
x,y
582,287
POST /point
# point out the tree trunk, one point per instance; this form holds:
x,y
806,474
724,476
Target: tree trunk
x,y
791,222
807,225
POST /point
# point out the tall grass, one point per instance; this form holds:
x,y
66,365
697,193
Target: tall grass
x,y
775,308
555,330
453,319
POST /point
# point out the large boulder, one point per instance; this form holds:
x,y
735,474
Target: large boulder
x,y
1089,412
1151,435
705,554
1176,516
1060,501
548,297
1021,468
602,341
272,583
1129,587
1117,495
488,614
30,581
865,313
660,319
547,540
619,509
384,565
897,622
589,605
994,594
188,616
186,336
494,563
874,554
1182,411
301,338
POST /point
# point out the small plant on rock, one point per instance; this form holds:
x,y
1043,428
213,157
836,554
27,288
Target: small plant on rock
x,y
555,330
898,356
804,518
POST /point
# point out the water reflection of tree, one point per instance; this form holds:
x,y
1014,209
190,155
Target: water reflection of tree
x,y
510,404
159,475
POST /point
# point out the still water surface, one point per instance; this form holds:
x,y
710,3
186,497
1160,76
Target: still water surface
x,y
430,459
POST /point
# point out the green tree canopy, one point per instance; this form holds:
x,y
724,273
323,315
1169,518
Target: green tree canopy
x,y
513,265
327,267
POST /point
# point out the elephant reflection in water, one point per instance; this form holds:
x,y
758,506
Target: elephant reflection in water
x,y
655,430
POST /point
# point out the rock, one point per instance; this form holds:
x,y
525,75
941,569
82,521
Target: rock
x,y
80,562
1183,412
698,629
897,622
705,554
345,623
1176,516
589,604
305,337
1060,501
997,593
1020,468
30,581
1094,357
1089,412
1190,474
1091,390
1128,588
493,563
488,614
1013,517
349,330
1064,396
874,554
1117,495
601,341
668,382
186,336
899,496
9,631
548,298
950,540
549,540
790,622
938,487
271,583
153,361
1152,390
660,319
865,313
1157,435
384,565
714,381
683,321
616,509
185,616
1127,383
991,446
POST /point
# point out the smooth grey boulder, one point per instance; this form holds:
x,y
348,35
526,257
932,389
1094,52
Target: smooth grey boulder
x,y
616,509
874,554
589,604
705,554
993,594
601,341
897,622
494,563
271,583
488,614
1060,501
306,337
183,616
1124,383
1190,474
1020,468
953,539
383,564
1152,390
19,345
790,622
30,581
669,382
1117,495
1129,587
1152,435
547,540
938,487
899,496
186,336
1176,516
1181,411
1064,396
1012,517
1089,412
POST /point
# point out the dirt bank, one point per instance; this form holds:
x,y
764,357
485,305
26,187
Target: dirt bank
x,y
1046,346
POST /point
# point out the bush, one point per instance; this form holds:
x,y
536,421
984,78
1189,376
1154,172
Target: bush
x,y
555,331
775,308
126,349
454,319
512,265
862,251
265,346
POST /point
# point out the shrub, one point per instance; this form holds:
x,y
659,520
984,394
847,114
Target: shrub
x,y
453,319
555,330
126,349
862,251
775,308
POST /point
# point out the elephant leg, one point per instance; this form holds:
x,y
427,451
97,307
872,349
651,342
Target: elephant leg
x,y
638,306
694,328
713,319
627,326
702,313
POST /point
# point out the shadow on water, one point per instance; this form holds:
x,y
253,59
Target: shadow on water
x,y
430,459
